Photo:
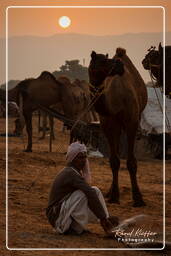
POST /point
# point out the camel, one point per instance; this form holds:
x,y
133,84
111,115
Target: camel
x,y
81,100
81,96
71,98
45,91
153,61
86,88
122,98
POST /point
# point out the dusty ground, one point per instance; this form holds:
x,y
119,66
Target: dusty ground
x,y
29,178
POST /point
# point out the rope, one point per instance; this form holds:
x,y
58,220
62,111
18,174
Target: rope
x,y
84,127
89,106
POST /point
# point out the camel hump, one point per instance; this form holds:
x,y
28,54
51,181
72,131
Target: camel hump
x,y
46,75
120,52
22,85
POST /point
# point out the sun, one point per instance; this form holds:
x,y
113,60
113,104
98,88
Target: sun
x,y
64,21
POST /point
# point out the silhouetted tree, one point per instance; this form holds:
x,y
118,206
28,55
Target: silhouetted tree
x,y
73,70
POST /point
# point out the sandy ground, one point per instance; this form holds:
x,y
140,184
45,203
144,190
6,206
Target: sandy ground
x,y
29,179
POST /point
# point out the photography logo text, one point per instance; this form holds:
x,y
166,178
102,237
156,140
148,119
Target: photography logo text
x,y
135,235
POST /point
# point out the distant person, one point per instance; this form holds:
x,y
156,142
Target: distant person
x,y
73,203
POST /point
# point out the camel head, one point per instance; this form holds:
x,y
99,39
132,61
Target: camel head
x,y
101,66
97,68
152,58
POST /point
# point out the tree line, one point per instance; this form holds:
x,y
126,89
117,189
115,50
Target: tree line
x,y
72,69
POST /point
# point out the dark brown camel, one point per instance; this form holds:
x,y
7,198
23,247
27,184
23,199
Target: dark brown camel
x,y
153,61
123,98
81,97
44,90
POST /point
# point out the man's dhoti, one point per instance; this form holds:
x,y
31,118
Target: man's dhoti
x,y
76,214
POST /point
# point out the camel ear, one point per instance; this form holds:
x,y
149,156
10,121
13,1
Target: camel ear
x,y
107,55
93,55
160,48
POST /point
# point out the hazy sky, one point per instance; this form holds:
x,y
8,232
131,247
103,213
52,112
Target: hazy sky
x,y
44,22
93,21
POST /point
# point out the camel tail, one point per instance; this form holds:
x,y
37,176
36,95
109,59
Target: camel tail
x,y
120,52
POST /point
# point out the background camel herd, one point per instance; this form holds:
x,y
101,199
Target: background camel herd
x,y
119,95
67,98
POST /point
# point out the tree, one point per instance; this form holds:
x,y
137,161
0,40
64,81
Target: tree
x,y
73,70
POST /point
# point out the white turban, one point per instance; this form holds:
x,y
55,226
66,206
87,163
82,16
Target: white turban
x,y
72,152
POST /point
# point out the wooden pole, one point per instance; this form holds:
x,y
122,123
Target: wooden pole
x,y
51,134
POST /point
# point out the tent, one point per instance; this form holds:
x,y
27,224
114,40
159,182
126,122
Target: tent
x,y
152,119
156,121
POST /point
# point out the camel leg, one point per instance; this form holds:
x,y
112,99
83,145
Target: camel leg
x,y
19,126
38,121
114,190
132,168
44,125
113,140
28,121
51,124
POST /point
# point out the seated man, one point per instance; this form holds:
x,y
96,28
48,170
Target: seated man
x,y
73,203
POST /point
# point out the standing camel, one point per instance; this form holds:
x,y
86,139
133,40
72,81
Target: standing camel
x,y
123,96
153,61
44,90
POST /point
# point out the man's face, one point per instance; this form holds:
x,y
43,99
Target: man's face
x,y
80,160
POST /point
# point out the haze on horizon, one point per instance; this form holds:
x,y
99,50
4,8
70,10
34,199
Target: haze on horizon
x,y
43,22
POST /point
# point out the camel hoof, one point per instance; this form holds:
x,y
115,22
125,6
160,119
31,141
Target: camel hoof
x,y
27,150
139,204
